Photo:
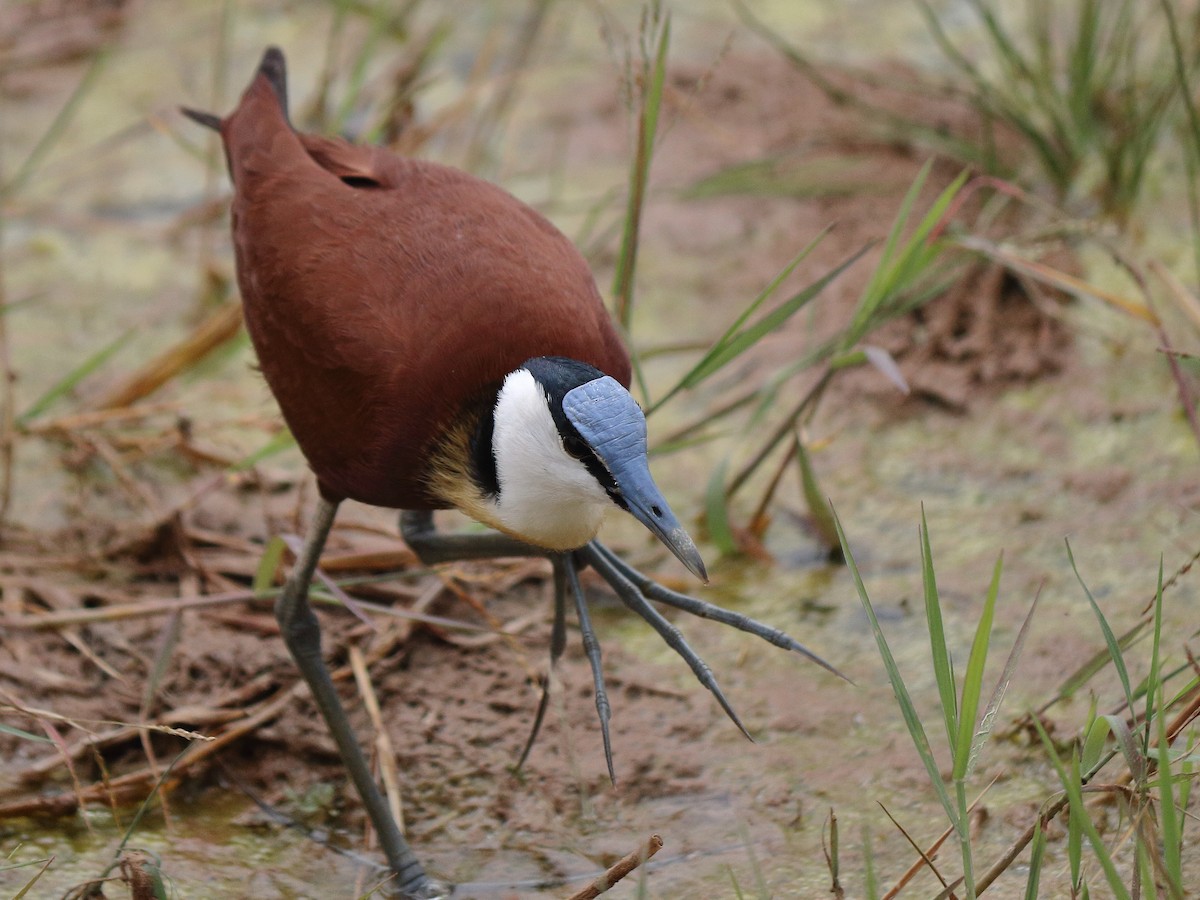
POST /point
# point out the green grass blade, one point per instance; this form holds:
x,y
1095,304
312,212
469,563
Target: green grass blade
x,y
739,337
1110,640
1192,132
277,444
902,265
972,688
733,883
874,289
28,886
720,532
50,137
69,382
814,498
747,338
1170,826
871,883
912,719
1080,823
1093,744
1075,842
696,374
1096,663
23,735
1187,776
164,652
1153,679
1037,850
264,576
943,665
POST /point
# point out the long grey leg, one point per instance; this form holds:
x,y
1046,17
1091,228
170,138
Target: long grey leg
x,y
302,635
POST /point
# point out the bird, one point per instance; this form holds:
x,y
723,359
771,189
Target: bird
x,y
433,343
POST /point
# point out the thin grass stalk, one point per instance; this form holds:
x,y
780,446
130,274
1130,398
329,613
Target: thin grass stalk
x,y
785,428
1169,819
832,857
351,96
657,28
488,124
28,886
8,418
739,337
1036,853
54,132
69,381
851,99
212,152
924,858
1191,156
1171,824
1044,149
963,827
1153,682
870,880
759,516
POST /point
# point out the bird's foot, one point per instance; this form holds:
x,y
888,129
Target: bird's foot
x,y
633,588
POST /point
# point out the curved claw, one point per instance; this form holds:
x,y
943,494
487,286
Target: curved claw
x,y
633,598
703,610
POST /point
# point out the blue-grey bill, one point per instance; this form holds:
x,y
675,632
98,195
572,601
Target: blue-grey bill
x,y
612,423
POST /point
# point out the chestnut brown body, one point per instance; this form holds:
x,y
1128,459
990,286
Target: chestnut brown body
x,y
388,297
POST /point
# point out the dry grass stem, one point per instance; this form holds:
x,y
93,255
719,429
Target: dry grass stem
x,y
620,869
210,334
385,753
100,417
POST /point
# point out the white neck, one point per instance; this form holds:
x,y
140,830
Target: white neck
x,y
547,497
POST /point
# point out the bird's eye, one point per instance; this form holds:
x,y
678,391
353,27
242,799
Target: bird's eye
x,y
575,446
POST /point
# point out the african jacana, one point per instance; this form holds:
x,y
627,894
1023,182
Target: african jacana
x,y
433,342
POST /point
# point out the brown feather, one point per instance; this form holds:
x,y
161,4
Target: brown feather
x,y
385,296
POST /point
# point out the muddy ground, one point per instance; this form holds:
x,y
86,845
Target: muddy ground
x,y
458,706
